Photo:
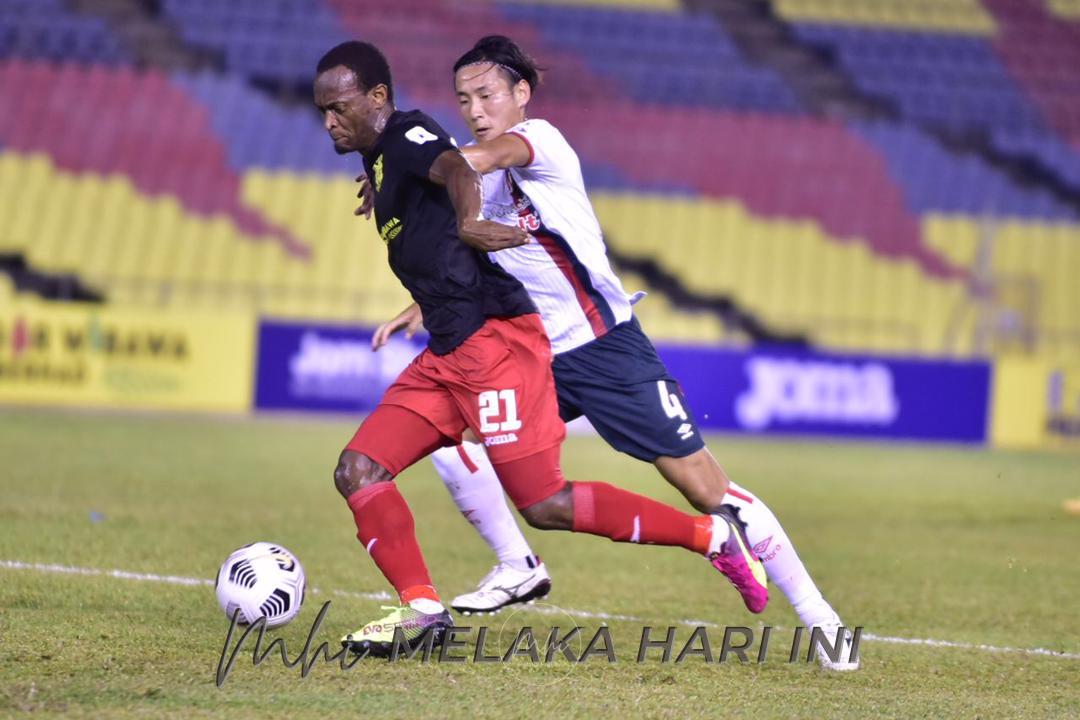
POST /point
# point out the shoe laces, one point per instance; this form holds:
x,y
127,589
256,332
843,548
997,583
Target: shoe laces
x,y
492,574
396,613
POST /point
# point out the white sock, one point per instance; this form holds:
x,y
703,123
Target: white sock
x,y
426,606
479,496
721,531
782,563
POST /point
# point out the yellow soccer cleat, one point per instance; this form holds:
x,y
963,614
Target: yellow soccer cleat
x,y
376,639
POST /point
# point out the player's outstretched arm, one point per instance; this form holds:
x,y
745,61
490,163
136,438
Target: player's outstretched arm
x,y
464,187
505,151
410,320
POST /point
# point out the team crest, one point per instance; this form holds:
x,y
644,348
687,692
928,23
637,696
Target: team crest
x,y
377,167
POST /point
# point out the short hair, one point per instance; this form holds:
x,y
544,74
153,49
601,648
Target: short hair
x,y
512,61
366,61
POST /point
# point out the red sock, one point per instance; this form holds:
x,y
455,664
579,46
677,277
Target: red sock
x,y
605,510
385,527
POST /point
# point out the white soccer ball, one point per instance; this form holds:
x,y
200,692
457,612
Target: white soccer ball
x,y
261,580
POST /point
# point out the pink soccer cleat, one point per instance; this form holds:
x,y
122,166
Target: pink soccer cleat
x,y
736,561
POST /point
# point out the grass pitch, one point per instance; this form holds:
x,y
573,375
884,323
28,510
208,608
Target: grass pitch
x,y
950,544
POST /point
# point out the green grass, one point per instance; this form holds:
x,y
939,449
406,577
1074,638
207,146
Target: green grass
x,y
954,544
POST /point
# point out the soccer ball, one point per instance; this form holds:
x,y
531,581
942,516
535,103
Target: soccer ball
x,y
261,580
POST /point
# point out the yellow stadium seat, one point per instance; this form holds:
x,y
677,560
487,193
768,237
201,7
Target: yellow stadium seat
x,y
151,250
656,5
7,289
789,273
1068,9
957,16
26,179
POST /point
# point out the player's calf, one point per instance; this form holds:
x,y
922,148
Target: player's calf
x,y
698,476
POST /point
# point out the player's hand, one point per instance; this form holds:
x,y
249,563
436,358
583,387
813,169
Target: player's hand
x,y
367,197
492,236
410,320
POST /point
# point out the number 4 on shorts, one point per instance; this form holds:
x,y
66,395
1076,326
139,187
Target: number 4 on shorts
x,y
670,401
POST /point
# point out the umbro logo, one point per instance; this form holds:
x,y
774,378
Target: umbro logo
x,y
764,552
762,546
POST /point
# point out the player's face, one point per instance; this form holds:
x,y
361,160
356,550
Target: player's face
x,y
488,103
350,115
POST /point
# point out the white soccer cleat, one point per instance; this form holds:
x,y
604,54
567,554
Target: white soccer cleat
x,y
504,585
844,664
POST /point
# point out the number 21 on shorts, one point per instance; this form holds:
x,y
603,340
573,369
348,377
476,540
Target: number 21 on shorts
x,y
495,404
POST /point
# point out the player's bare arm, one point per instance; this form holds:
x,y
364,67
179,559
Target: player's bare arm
x,y
366,195
463,184
502,152
505,151
411,319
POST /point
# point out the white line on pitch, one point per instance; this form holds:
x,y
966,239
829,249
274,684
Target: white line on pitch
x,y
123,574
541,609
151,577
554,610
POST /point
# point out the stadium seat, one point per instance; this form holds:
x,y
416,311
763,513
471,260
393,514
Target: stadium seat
x,y
792,273
204,188
7,289
1068,9
959,16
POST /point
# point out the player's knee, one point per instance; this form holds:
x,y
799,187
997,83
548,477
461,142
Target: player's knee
x,y
553,513
356,471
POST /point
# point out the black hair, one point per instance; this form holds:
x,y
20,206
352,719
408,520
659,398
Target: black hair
x,y
512,61
365,60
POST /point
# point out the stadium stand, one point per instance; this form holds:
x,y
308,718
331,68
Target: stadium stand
x,y
7,288
959,16
1042,52
42,29
940,197
1069,9
690,61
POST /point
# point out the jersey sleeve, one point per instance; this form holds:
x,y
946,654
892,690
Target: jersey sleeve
x,y
549,153
417,144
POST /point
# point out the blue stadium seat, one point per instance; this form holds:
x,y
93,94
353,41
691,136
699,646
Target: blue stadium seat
x,y
936,180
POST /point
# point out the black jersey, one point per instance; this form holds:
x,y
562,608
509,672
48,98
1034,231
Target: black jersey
x,y
457,287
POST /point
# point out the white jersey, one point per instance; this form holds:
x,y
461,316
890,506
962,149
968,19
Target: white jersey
x,y
565,269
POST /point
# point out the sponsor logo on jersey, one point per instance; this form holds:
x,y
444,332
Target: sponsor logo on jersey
x,y
390,230
503,439
789,390
528,218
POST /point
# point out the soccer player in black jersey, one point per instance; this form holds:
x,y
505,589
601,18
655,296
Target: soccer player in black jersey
x,y
487,367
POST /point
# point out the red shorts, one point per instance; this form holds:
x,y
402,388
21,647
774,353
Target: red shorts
x,y
498,383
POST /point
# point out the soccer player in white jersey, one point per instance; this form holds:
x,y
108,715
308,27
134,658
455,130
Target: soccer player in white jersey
x,y
605,367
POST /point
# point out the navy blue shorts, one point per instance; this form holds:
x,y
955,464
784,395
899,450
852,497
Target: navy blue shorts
x,y
620,384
